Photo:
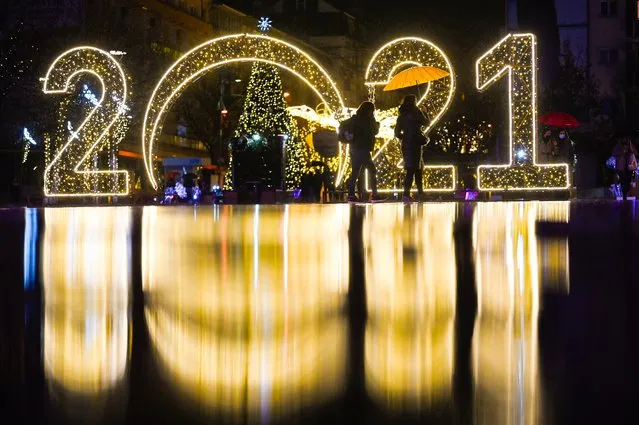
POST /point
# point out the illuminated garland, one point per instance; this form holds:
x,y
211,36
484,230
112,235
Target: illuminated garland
x,y
221,51
73,170
265,114
387,153
386,62
515,55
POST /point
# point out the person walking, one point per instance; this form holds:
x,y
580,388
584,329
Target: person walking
x,y
408,130
361,129
625,155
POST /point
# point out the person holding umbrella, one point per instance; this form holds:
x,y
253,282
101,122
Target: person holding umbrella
x,y
408,129
411,120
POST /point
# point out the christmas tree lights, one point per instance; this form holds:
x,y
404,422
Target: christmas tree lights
x,y
224,50
515,55
266,114
72,170
386,62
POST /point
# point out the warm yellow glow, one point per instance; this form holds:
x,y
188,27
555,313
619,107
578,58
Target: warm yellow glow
x,y
411,298
221,51
86,287
244,304
91,134
505,348
515,55
437,98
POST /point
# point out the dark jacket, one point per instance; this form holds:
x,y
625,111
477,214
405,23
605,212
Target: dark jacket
x,y
364,131
409,124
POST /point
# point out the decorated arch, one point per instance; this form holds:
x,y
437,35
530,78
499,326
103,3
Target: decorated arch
x,y
224,50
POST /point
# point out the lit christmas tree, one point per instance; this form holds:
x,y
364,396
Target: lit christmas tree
x,y
265,110
266,122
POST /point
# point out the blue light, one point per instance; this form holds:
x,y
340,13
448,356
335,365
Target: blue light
x,y
256,137
264,24
521,154
30,247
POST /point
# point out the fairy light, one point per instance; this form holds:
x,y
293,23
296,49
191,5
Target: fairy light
x,y
515,55
415,51
71,170
266,117
221,51
438,96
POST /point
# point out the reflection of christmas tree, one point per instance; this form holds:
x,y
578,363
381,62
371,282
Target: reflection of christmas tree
x,y
267,123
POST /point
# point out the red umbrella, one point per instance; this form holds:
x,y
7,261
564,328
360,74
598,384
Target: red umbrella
x,y
559,119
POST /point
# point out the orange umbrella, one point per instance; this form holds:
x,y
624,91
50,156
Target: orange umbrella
x,y
415,76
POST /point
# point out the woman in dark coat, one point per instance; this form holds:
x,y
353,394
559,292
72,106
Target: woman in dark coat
x,y
363,128
408,130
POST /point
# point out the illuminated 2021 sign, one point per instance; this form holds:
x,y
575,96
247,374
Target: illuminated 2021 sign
x,y
513,56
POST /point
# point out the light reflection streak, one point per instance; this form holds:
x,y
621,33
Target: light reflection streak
x,y
268,339
86,286
411,296
30,247
505,340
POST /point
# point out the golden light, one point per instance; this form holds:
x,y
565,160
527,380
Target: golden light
x,y
515,55
266,286
69,173
220,51
505,340
437,97
86,287
411,298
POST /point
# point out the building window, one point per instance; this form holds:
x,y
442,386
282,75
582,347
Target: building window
x,y
178,36
300,5
152,23
608,57
193,11
608,8
183,5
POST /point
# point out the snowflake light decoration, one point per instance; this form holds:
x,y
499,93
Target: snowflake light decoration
x,y
264,24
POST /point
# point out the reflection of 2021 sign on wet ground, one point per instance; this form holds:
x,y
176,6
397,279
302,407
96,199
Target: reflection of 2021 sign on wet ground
x,y
513,56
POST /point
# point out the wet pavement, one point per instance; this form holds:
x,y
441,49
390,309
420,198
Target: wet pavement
x,y
444,313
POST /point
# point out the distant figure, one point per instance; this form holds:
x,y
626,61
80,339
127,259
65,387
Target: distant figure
x,y
363,128
549,148
408,130
566,149
625,155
